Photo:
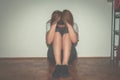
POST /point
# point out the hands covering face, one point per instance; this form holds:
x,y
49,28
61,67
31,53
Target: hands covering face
x,y
55,21
60,22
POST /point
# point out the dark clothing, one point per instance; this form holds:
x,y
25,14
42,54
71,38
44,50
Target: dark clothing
x,y
61,30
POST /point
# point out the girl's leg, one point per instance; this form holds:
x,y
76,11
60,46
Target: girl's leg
x,y
57,47
66,48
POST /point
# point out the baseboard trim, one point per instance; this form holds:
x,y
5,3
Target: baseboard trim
x,y
94,57
34,58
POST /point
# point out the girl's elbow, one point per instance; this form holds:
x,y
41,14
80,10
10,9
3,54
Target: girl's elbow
x,y
48,42
75,41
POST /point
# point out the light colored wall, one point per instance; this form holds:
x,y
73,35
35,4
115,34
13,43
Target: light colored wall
x,y
23,26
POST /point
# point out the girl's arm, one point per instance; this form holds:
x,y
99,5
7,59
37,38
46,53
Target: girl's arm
x,y
73,35
50,33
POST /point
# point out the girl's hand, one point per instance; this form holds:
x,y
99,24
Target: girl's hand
x,y
55,22
67,24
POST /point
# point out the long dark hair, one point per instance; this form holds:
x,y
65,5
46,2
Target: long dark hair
x,y
67,16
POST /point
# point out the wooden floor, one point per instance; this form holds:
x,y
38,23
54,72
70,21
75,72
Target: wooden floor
x,y
40,69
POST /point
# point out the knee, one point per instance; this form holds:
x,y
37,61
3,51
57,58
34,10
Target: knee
x,y
66,38
57,36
